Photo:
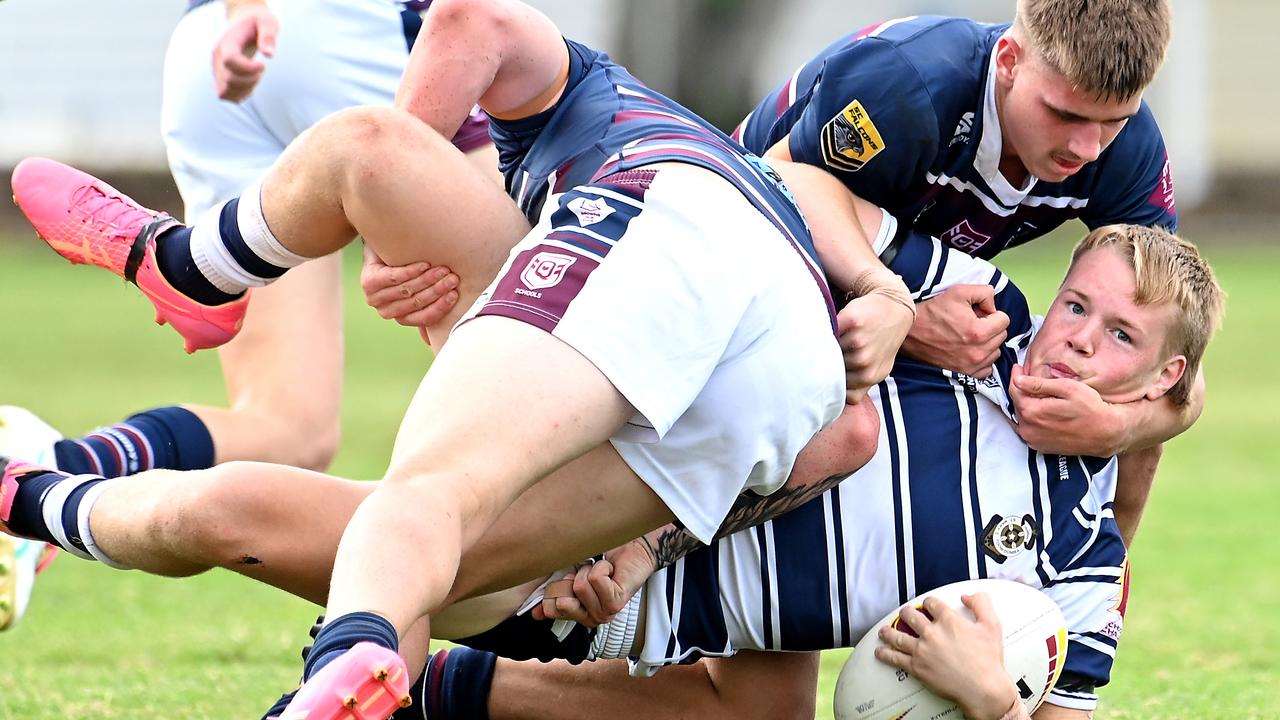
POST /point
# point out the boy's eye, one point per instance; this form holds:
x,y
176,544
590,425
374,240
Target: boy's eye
x,y
1075,308
1123,337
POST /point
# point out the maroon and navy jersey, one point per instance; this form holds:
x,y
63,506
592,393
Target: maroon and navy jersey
x,y
607,122
903,113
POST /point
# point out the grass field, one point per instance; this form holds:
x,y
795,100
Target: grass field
x,y
1204,616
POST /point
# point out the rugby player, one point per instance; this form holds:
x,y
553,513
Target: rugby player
x,y
725,242
283,378
953,494
986,137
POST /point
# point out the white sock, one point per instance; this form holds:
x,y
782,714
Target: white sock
x,y
86,530
212,256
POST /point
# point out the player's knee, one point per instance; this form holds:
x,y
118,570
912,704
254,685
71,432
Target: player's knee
x,y
302,432
363,137
310,444
205,518
454,493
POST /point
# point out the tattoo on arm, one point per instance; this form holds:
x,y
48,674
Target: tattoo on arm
x,y
671,542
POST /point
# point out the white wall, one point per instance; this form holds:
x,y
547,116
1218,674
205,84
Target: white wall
x,y
80,79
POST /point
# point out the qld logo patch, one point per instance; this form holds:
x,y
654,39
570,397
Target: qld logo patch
x,y
965,237
546,269
850,140
589,210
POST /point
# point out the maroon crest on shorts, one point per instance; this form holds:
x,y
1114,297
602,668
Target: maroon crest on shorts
x,y
546,269
539,286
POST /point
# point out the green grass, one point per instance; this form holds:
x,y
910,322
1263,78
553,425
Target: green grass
x,y
1202,630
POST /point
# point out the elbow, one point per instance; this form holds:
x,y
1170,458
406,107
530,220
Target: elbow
x,y
484,19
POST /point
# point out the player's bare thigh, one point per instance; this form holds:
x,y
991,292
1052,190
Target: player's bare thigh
x,y
409,192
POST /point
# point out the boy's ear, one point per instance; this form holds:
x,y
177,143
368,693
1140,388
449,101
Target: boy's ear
x,y
1008,54
1169,376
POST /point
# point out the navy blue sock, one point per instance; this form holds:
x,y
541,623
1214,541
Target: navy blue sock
x,y
454,686
25,518
173,258
342,634
169,437
281,704
35,492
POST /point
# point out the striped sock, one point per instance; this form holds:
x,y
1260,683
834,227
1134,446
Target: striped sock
x,y
227,251
168,437
454,685
235,250
54,507
341,634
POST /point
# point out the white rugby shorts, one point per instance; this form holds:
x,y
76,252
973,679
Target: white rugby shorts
x,y
700,313
330,55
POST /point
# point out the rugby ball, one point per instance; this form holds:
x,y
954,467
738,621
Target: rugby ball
x,y
1035,647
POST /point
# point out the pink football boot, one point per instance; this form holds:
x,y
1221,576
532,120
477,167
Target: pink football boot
x,y
89,222
369,682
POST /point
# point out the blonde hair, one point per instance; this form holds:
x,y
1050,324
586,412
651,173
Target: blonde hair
x,y
1111,48
1167,269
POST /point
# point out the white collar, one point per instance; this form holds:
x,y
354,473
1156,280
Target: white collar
x,y
987,160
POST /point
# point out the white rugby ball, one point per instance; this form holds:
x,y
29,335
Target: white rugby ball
x,y
1035,647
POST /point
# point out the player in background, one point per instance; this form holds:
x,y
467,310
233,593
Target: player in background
x,y
615,146
283,378
988,136
954,493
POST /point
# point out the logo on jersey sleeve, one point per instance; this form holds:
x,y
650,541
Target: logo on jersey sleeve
x,y
1007,536
850,140
546,269
589,211
1162,196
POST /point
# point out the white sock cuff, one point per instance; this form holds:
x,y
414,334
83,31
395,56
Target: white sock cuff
x,y
86,530
51,504
212,258
256,234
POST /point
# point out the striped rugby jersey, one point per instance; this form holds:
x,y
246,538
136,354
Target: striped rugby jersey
x,y
903,113
607,122
952,494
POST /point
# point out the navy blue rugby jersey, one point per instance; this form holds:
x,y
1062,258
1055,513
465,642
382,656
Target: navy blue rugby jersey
x,y
952,494
903,112
608,122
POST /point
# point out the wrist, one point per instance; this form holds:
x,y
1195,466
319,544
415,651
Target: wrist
x,y
882,281
1016,711
1002,703
647,546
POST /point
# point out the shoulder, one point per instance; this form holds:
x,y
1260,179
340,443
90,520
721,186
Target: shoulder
x,y
1133,181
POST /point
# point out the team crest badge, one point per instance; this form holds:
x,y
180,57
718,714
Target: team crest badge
x,y
589,210
546,269
850,140
1007,536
